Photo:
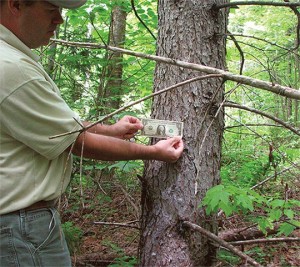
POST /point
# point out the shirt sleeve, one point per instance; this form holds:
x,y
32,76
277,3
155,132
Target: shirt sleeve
x,y
34,112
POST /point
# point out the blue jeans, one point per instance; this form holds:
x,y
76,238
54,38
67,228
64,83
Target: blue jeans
x,y
33,238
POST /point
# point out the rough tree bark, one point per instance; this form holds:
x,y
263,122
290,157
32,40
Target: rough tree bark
x,y
189,30
111,89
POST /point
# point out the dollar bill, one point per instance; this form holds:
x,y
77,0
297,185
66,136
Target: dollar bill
x,y
161,128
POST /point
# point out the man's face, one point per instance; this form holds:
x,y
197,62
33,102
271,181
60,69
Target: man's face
x,y
38,23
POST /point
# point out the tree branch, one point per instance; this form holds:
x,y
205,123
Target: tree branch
x,y
137,102
275,88
141,21
255,3
128,225
295,165
284,124
221,242
265,240
251,124
240,51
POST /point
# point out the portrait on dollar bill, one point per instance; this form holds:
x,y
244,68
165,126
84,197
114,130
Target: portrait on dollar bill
x,y
161,130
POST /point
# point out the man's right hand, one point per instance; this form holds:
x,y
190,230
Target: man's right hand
x,y
169,150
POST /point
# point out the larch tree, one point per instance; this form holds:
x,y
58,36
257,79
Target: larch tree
x,y
193,32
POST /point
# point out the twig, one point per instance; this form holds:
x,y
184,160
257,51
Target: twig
x,y
119,224
242,56
265,240
275,88
256,3
141,21
234,105
137,102
130,199
252,124
273,176
223,243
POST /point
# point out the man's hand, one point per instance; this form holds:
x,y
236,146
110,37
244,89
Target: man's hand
x,y
169,150
126,127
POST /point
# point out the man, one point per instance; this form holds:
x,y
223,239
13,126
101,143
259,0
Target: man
x,y
35,170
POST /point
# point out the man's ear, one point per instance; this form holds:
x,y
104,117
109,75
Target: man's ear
x,y
14,6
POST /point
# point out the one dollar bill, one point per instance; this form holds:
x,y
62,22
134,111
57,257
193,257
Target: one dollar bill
x,y
161,128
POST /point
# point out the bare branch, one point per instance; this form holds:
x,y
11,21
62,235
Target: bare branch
x,y
275,88
295,165
222,243
240,51
284,124
295,10
256,3
141,21
128,225
265,240
263,40
251,124
137,102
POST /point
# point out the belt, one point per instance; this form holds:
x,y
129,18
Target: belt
x,y
43,204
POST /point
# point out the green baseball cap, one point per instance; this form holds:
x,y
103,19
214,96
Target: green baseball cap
x,y
70,4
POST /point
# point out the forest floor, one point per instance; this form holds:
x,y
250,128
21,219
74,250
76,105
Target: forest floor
x,y
93,243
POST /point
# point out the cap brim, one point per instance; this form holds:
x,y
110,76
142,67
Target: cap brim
x,y
70,4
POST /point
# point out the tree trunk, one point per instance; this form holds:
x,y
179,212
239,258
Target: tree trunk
x,y
111,90
189,30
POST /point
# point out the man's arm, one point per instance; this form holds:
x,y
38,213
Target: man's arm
x,y
125,128
100,147
104,142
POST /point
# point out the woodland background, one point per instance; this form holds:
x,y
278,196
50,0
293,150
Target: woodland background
x,y
260,188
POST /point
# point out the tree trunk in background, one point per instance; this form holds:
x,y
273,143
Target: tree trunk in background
x,y
189,30
111,90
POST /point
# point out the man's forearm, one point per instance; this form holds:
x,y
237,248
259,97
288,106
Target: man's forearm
x,y
100,147
99,128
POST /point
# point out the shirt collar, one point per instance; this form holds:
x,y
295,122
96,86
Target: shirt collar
x,y
7,36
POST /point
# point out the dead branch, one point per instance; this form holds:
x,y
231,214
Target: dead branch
x,y
284,124
246,233
255,3
273,176
251,124
297,13
274,88
293,51
242,56
137,102
222,243
130,199
128,225
265,240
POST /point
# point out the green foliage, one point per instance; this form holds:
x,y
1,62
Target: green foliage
x,y
226,256
122,260
73,236
232,199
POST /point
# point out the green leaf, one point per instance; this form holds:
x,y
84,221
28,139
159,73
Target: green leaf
x,y
286,229
245,202
277,203
289,213
264,224
126,166
275,214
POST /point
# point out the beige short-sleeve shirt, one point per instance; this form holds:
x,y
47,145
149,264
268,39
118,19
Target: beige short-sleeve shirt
x,y
33,167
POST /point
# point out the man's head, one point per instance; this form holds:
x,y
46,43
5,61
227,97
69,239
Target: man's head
x,y
71,4
34,21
